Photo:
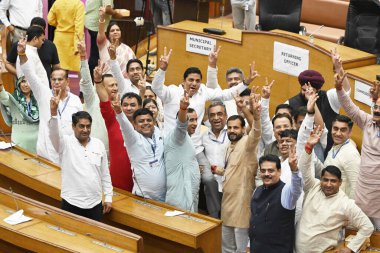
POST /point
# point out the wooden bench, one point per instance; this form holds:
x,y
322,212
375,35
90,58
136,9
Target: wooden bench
x,y
54,230
37,178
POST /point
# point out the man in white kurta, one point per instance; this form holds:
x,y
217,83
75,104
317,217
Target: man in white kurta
x,y
182,171
325,212
68,105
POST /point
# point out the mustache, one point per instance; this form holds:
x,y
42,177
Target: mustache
x,y
267,177
376,113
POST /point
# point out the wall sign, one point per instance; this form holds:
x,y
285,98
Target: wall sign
x,y
199,44
289,59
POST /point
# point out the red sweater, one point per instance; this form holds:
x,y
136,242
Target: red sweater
x,y
120,166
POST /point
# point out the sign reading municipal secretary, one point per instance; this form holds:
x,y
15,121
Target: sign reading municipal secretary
x,y
199,44
289,59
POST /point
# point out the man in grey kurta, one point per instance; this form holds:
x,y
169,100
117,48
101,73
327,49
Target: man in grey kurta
x,y
182,170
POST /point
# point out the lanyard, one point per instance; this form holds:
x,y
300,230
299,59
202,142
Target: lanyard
x,y
227,156
29,108
220,142
335,154
64,106
153,145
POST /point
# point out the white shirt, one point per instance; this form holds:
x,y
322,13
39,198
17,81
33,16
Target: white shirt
x,y
304,132
21,12
42,93
32,54
147,160
286,177
91,99
215,150
84,170
171,96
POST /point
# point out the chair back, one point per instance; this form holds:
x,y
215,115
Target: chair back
x,y
280,14
363,26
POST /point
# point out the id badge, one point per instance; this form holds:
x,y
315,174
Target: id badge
x,y
153,163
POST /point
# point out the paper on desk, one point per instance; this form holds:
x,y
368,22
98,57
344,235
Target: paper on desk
x,y
17,218
5,145
173,213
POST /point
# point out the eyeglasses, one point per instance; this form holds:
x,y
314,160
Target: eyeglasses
x,y
376,107
57,79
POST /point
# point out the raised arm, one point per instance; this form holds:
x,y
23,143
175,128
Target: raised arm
x,y
352,110
228,94
244,108
291,192
29,71
130,136
180,131
98,80
158,86
266,123
312,107
85,81
305,164
116,71
307,125
101,37
255,132
212,71
338,68
54,129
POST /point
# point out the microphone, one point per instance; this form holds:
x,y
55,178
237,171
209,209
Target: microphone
x,y
311,36
138,185
145,203
14,199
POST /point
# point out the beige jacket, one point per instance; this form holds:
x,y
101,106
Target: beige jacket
x,y
239,180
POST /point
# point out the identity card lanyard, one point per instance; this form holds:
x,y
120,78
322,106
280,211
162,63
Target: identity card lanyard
x,y
153,146
335,154
64,106
29,108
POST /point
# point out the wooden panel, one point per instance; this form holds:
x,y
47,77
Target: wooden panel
x,y
191,233
54,230
241,48
9,85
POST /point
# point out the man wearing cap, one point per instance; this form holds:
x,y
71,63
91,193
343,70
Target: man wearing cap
x,y
327,102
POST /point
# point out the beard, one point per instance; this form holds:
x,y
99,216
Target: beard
x,y
234,137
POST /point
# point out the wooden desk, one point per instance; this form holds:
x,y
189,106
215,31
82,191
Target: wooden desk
x,y
37,178
9,85
54,230
241,48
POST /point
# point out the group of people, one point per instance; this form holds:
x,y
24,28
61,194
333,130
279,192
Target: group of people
x,y
293,181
